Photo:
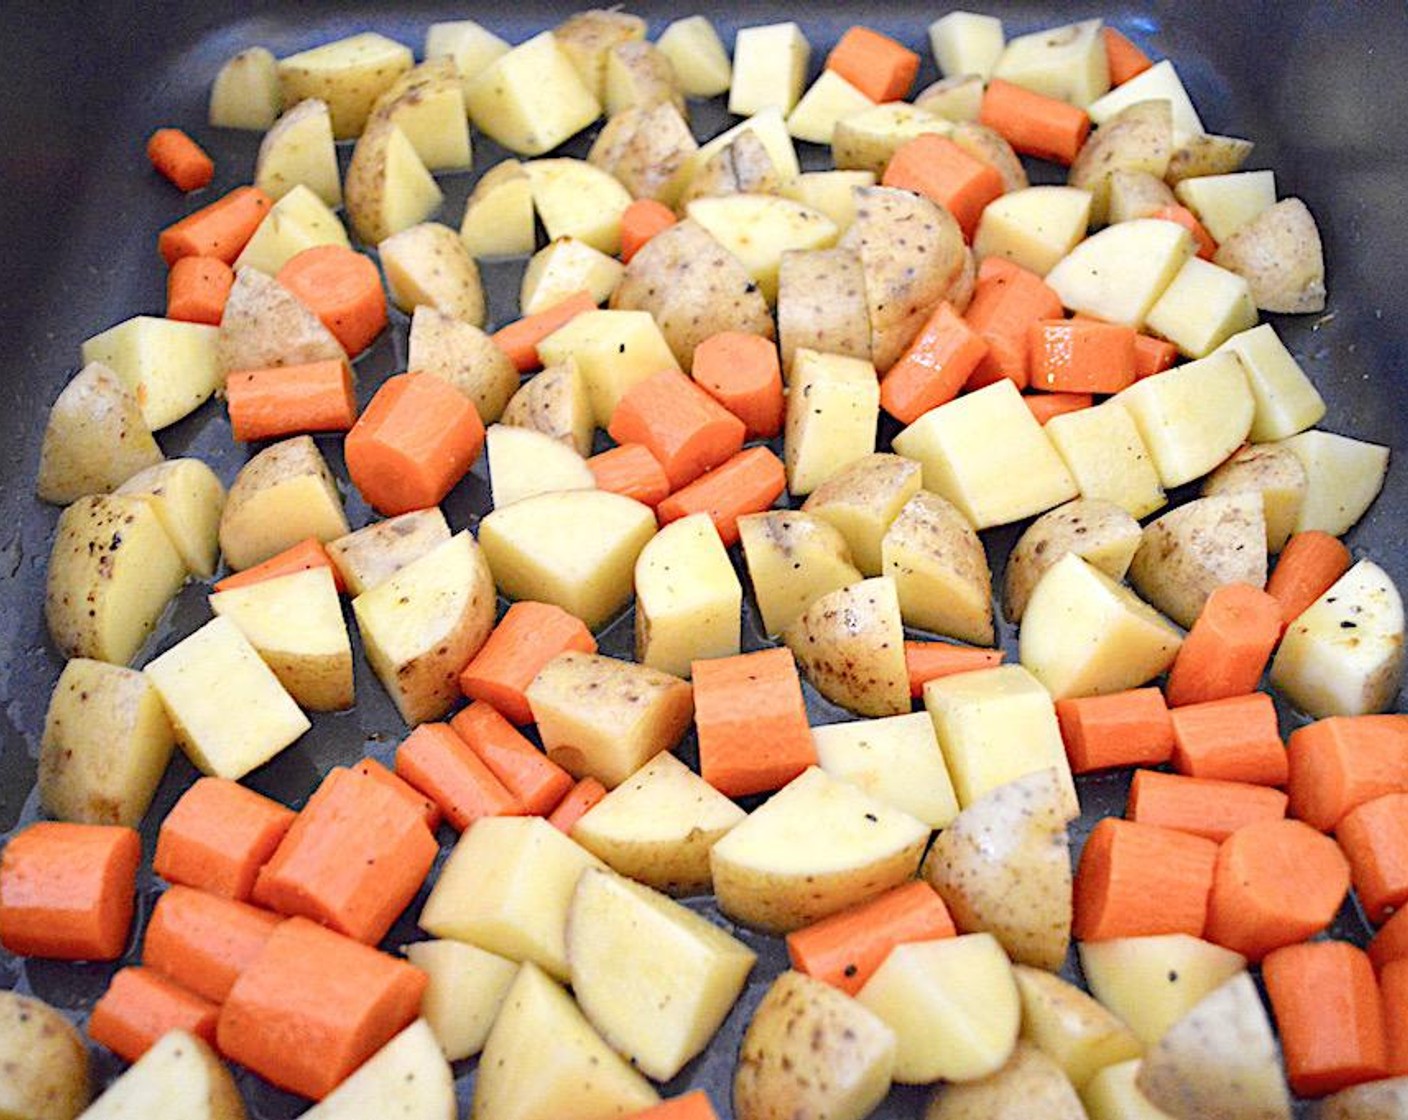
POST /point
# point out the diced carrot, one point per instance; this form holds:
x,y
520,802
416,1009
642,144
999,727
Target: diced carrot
x,y
1328,1014
203,941
1152,355
1235,739
1228,647
574,806
679,423
301,557
1393,988
519,340
1044,406
429,811
935,167
353,859
220,230
1203,806
1136,879
937,364
1126,60
1341,762
928,661
67,890
197,288
1309,564
531,778
875,64
289,400
315,1005
1184,217
527,637
342,287
845,949
691,1106
744,374
1374,837
752,722
180,159
632,471
440,764
140,1006
640,221
1276,882
1391,942
1130,728
748,483
1080,356
218,836
1034,124
1007,300
416,439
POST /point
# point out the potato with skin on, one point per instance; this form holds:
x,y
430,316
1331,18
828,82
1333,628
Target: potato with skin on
x,y
387,188
1202,308
850,645
603,718
378,551
245,93
688,597
1374,1100
283,495
1343,477
1002,866
742,166
471,47
523,463
793,559
1226,203
348,74
409,1076
832,412
812,1051
1070,1027
821,304
1113,1095
1274,472
1280,255
958,97
1106,455
1118,273
862,499
299,220
265,325
1028,1084
498,215
462,354
555,402
43,1059
1137,194
868,140
1207,154
299,149
614,349
1139,138
1034,227
94,439
427,264
588,37
112,571
564,267
170,367
179,1078
758,228
427,104
1098,532
638,74
1159,83
831,192
466,989
895,759
531,99
940,570
189,500
644,146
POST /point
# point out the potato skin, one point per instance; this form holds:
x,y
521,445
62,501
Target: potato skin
x,y
1030,1084
1082,526
43,1062
1280,256
850,644
95,439
645,147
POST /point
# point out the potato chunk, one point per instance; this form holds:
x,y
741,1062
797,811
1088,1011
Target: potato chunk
x,y
95,438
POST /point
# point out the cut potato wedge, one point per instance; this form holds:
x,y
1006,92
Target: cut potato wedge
x,y
967,43
940,570
1159,83
179,1078
245,93
531,99
769,68
265,325
1098,532
427,104
575,199
821,305
466,989
793,558
466,357
555,402
378,551
348,74
523,463
189,500
688,597
45,1062
283,495
1343,477
693,47
614,350
170,367
388,188
498,215
832,411
1274,472
895,759
1106,456
1035,227
1028,1084
850,645
409,1076
1119,273
563,268
1280,255
863,499
1070,1027
428,265
758,229
1067,63
1286,400
299,150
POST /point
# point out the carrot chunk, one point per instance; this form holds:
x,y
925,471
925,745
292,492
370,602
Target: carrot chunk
x,y
1393,987
681,425
1203,806
1136,879
691,1106
1126,60
197,288
429,811
875,64
1152,355
180,159
219,230
1184,217
203,941
1309,564
631,471
1130,728
519,340
748,483
937,364
218,836
1227,650
531,778
574,806
140,1006
1007,300
1374,837
640,221
1339,763
1235,739
1391,942
744,374
342,287
289,400
935,167
441,765
1035,125
1044,406
528,636
304,555
928,661
1080,356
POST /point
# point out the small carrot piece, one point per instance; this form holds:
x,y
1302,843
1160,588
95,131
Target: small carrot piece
x,y
752,722
574,806
937,364
1391,942
1235,739
219,230
1276,883
314,1005
694,1105
845,949
197,288
1203,806
1374,837
1080,356
935,167
1226,651
1044,406
1307,567
180,159
441,765
342,287
353,859
875,64
632,471
1130,728
429,811
1034,124
1126,60
531,778
1339,763
519,340
1393,988
1136,879
1185,217
67,890
1328,1014
744,374
527,637
203,942
417,438
301,557
290,400
1152,355
748,483
679,423
1007,300
140,1006
218,836
640,221
928,661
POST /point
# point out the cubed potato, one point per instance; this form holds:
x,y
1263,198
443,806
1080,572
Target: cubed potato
x,y
862,499
1202,308
265,325
105,747
1071,1027
189,500
576,199
827,100
283,495
1343,477
688,597
1136,140
498,215
299,150
427,265
966,43
563,268
603,718
895,759
758,229
1068,63
639,75
408,1076
1274,472
523,463
955,98
821,305
769,68
832,412
1226,203
830,192
348,74
1385,1099
471,46
228,710
168,365
996,725
1287,401
1097,531
299,220
587,38
850,644
1119,273
466,357
1106,456
743,167
1136,194
531,99
693,48
793,559
1034,228
1159,83
388,188
868,140
555,402
179,1078
245,93
614,350
940,570
466,989
427,104
768,126
378,551
1207,154
991,481
658,826
815,847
